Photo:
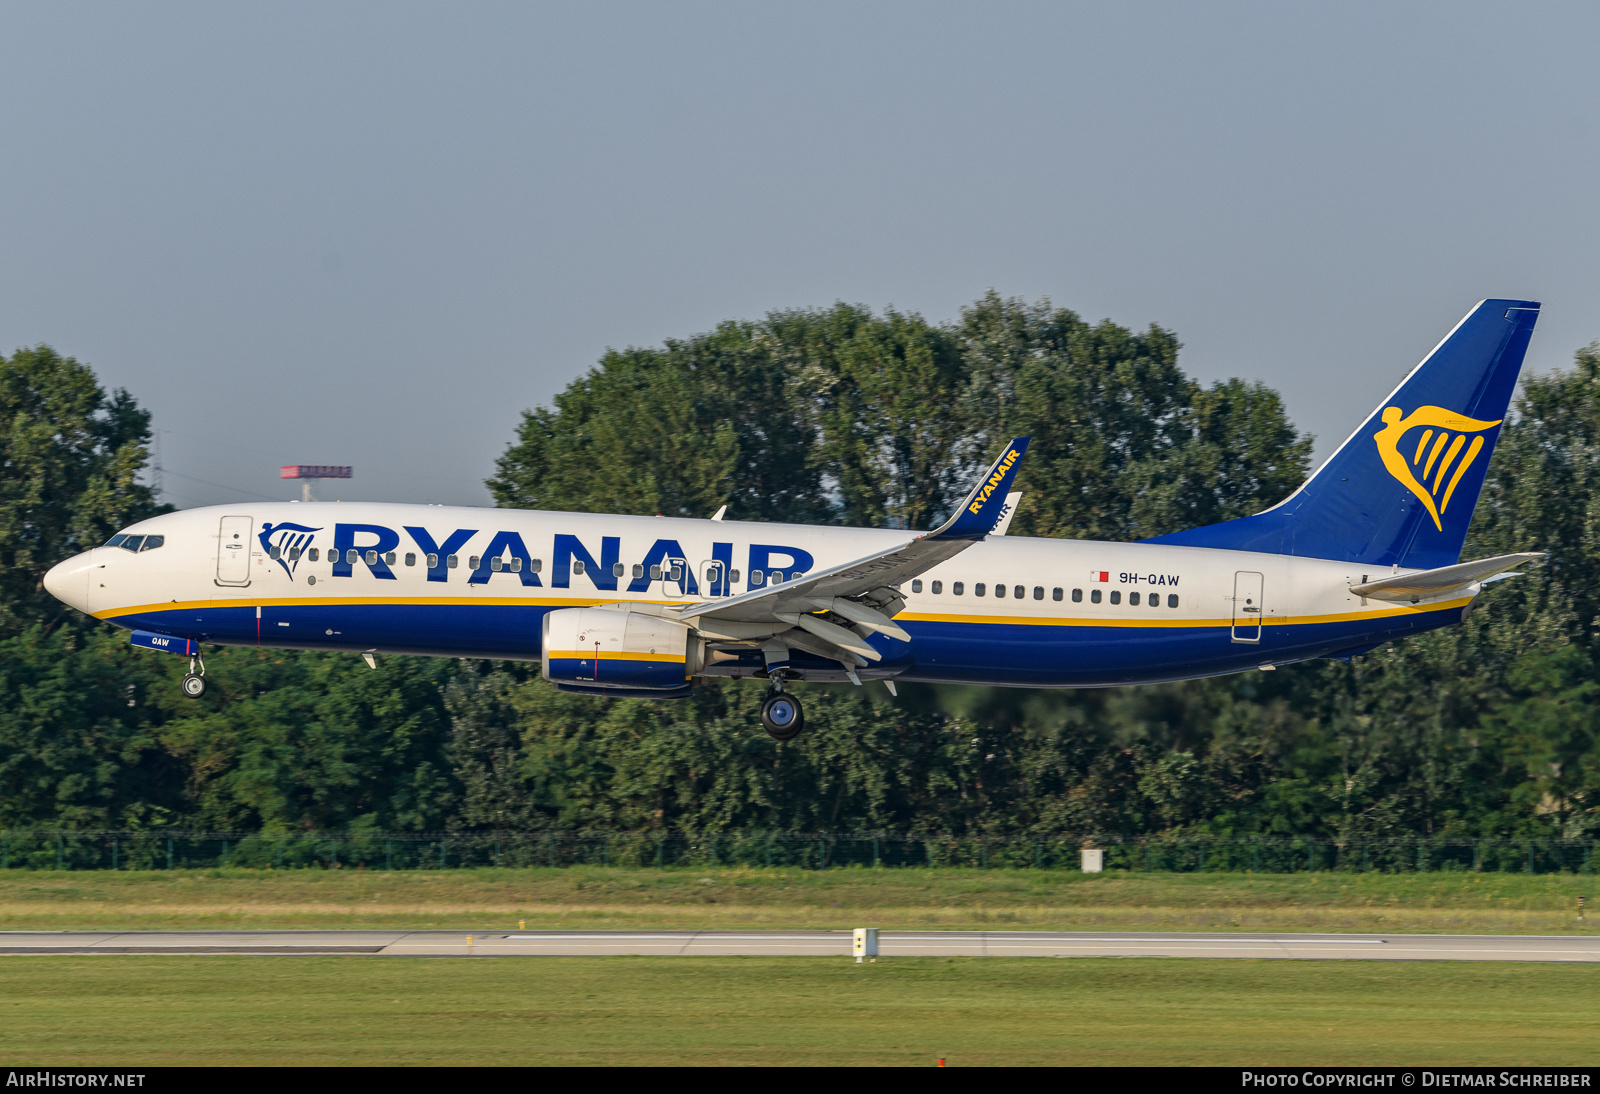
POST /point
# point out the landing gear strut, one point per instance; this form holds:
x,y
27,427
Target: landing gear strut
x,y
781,715
194,685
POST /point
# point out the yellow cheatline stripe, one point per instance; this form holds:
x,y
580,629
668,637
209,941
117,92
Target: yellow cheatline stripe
x,y
607,655
1096,621
920,617
345,601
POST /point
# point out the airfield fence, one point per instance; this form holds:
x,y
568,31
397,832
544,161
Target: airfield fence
x,y
172,849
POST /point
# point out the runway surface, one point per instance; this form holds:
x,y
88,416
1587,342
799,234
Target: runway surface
x,y
466,943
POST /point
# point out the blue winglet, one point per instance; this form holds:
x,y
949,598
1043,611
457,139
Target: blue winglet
x,y
981,511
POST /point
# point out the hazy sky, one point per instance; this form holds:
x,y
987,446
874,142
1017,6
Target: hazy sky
x,y
374,233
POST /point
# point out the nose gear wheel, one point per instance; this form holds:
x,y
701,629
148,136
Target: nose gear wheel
x,y
194,684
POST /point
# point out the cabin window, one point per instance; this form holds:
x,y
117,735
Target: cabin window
x,y
294,554
451,561
274,552
389,558
677,571
577,565
496,563
1172,600
1116,596
916,585
535,565
733,576
957,588
796,576
472,563
1155,600
433,561
1000,592
655,573
1133,599
617,569
1038,592
1077,596
116,540
313,554
1055,594
1019,592
638,570
132,543
977,590
372,558
411,558
516,565
1094,596
938,587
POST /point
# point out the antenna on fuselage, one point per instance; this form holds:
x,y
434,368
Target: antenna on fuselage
x,y
310,473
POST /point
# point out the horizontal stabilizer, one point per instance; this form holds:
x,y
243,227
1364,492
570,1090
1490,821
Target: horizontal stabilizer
x,y
1427,584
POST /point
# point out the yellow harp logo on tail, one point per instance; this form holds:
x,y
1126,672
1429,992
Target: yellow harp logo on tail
x,y
1431,463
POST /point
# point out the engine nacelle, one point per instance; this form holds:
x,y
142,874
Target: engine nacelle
x,y
608,648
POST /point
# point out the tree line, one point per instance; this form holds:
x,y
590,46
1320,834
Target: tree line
x,y
844,416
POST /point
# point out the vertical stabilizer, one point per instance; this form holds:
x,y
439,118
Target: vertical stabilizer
x,y
1401,490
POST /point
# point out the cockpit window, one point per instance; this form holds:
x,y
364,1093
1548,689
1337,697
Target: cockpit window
x,y
135,543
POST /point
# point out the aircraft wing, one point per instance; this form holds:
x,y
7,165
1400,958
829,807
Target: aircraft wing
x,y
862,593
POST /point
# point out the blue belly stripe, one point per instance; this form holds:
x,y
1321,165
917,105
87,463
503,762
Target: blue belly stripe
x,y
1006,654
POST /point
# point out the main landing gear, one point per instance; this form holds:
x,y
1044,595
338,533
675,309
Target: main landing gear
x,y
194,685
781,715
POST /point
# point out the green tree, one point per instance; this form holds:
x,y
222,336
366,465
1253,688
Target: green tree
x,y
70,455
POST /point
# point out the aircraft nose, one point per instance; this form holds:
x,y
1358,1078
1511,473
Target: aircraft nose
x,y
68,581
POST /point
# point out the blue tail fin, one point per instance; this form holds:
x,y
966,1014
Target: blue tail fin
x,y
1401,490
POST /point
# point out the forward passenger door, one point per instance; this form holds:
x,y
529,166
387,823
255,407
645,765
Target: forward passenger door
x,y
233,551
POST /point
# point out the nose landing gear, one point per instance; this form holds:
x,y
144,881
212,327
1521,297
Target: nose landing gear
x,y
781,715
194,684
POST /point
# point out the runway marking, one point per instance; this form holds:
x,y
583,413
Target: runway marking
x,y
834,943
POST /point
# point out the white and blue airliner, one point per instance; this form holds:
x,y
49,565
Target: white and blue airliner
x,y
1366,551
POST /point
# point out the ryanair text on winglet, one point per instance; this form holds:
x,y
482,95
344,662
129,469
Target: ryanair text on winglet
x,y
995,479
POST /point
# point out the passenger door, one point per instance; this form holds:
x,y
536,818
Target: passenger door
x,y
233,551
1247,606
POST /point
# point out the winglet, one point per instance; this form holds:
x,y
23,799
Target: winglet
x,y
982,510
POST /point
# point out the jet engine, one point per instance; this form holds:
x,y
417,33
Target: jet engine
x,y
613,651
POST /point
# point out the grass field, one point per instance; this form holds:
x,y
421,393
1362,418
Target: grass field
x,y
743,897
131,1011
